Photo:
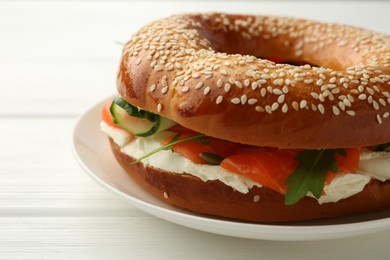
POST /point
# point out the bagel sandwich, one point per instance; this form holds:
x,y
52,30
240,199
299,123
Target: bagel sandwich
x,y
205,120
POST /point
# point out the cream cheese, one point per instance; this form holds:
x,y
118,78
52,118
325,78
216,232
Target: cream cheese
x,y
372,165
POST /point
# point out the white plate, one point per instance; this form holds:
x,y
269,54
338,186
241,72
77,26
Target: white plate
x,y
92,151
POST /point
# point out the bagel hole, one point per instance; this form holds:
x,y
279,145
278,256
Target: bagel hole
x,y
281,60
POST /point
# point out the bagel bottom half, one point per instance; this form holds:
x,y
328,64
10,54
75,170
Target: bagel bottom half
x,y
260,204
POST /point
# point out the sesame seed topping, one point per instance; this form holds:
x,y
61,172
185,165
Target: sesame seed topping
x,y
350,112
335,111
219,83
219,100
284,108
308,81
164,90
254,85
235,101
247,82
158,68
295,105
268,109
223,72
379,119
321,108
319,82
227,87
275,106
206,91
256,198
303,104
252,101
244,98
259,109
159,107
199,85
180,49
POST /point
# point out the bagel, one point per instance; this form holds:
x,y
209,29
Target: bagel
x,y
180,67
251,125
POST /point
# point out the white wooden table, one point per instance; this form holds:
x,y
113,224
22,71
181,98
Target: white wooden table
x,y
57,59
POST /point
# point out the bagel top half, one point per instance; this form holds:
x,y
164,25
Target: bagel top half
x,y
205,72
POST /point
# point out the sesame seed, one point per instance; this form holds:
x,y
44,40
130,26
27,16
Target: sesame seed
x,y
254,85
158,68
375,105
379,119
319,82
347,102
386,115
268,109
350,112
252,101
281,99
370,91
247,82
321,108
219,83
308,81
166,195
235,101
164,90
335,111
196,75
303,104
206,91
275,106
219,100
262,81
152,87
223,72
263,92
277,91
185,89
159,107
199,85
244,98
284,108
295,105
259,109
238,84
256,198
227,87
178,65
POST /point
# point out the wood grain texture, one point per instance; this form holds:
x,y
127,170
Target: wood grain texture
x,y
57,59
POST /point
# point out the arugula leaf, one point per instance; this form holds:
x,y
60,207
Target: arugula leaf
x,y
310,174
199,138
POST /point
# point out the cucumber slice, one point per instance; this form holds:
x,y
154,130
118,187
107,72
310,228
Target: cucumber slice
x,y
137,121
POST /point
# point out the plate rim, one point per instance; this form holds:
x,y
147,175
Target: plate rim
x,y
279,232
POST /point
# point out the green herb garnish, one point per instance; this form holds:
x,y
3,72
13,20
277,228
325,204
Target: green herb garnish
x,y
198,138
310,174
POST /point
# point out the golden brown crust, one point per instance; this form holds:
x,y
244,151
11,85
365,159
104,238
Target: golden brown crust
x,y
175,67
259,205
